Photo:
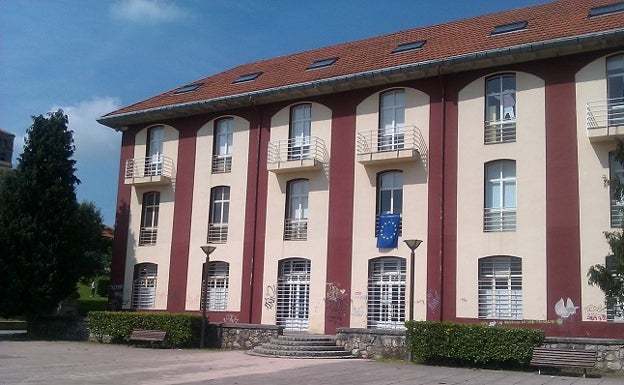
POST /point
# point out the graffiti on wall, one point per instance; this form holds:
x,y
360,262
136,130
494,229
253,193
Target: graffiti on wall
x,y
595,312
230,319
565,309
337,304
269,297
433,299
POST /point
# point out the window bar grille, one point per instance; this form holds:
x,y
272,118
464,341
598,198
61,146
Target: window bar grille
x,y
148,236
499,219
500,131
221,164
386,293
217,232
295,229
293,294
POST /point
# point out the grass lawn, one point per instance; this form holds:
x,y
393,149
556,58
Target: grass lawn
x,y
86,303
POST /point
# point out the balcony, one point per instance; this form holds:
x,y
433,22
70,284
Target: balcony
x,y
500,131
148,236
296,155
149,171
605,119
403,144
221,164
217,232
295,229
499,219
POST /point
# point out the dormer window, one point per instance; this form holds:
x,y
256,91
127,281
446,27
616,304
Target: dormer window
x,y
409,46
511,27
247,77
322,63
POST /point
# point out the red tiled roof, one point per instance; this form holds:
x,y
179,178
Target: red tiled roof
x,y
546,22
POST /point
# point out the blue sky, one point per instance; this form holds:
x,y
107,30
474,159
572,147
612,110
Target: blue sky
x,y
90,57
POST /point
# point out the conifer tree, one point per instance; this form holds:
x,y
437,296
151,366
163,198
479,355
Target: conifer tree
x,y
42,240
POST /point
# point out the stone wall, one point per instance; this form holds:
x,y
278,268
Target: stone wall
x,y
245,336
368,343
610,352
59,328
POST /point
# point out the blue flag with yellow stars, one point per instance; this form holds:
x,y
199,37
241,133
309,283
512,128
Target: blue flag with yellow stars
x,y
388,231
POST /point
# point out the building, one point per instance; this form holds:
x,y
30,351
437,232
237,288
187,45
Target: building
x,y
6,150
487,138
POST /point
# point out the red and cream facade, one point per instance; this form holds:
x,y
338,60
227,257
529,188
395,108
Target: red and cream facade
x,y
492,150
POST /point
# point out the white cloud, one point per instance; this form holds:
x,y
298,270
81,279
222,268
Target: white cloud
x,y
146,11
93,141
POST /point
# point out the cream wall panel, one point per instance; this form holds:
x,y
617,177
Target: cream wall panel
x,y
158,253
593,163
529,152
415,198
315,247
205,180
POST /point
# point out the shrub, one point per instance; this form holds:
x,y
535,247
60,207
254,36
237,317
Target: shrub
x,y
183,330
102,287
471,344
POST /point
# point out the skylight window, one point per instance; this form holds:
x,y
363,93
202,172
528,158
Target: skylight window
x,y
247,77
606,9
409,46
511,27
187,88
322,63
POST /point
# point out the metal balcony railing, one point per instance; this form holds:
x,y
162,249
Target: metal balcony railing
x,y
221,164
605,113
500,131
383,140
295,229
147,236
297,149
499,219
617,213
217,232
148,167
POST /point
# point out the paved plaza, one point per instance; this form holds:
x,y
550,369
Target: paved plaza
x,y
66,363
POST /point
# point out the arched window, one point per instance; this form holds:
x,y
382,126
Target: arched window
x,y
500,287
500,108
222,147
144,285
296,220
386,293
149,218
217,285
389,196
391,120
300,131
499,213
219,214
154,161
293,293
615,89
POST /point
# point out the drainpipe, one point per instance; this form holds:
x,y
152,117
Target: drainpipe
x,y
443,120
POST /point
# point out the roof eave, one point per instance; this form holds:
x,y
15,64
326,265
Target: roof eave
x,y
423,69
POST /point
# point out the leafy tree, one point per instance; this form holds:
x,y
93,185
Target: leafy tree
x,y
43,232
97,258
610,277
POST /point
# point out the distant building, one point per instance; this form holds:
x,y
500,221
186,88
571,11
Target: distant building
x,y
487,138
6,149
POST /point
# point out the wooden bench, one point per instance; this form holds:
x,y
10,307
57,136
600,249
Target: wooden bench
x,y
564,358
150,336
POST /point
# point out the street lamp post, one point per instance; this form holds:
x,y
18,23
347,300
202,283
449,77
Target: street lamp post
x,y
413,245
207,250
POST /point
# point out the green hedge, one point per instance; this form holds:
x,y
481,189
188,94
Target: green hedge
x,y
471,344
183,330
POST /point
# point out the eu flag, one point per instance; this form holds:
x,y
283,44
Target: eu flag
x,y
388,231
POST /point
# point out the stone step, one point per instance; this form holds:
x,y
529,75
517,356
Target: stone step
x,y
301,345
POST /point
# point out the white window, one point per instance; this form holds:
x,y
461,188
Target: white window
x,y
616,172
500,109
296,221
391,120
389,195
217,285
500,196
500,287
219,214
300,129
293,294
615,308
386,293
144,286
223,134
149,218
154,162
615,89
